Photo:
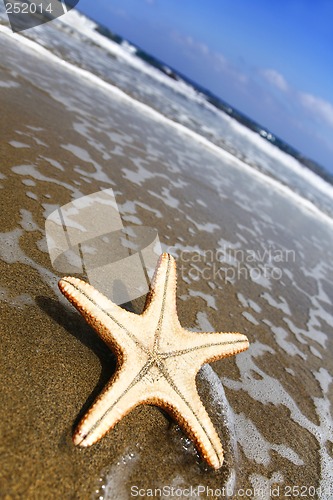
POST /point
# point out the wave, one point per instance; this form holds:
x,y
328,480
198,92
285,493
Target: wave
x,y
90,49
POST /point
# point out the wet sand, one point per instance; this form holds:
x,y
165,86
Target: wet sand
x,y
62,137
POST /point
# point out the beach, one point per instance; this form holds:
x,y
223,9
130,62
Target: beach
x,y
252,257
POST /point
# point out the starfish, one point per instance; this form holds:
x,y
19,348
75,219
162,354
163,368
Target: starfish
x,y
157,360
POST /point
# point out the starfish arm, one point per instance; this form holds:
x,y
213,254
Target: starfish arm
x,y
161,300
123,393
199,348
112,323
189,412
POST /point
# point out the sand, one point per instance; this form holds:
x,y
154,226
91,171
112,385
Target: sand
x,y
63,138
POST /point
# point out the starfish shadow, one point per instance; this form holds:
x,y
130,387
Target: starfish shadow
x,y
74,324
121,293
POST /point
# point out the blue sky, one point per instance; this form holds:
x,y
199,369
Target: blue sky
x,y
271,60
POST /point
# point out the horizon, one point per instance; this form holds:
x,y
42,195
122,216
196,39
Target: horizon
x,y
287,97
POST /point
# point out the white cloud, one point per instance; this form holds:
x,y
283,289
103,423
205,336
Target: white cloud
x,y
275,78
189,42
319,107
194,48
294,100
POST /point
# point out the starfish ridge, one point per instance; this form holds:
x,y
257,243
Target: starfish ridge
x,y
157,360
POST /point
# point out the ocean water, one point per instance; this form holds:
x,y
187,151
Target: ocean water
x,y
206,182
74,38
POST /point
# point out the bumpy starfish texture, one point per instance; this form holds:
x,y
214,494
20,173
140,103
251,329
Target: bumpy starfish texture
x,y
157,360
